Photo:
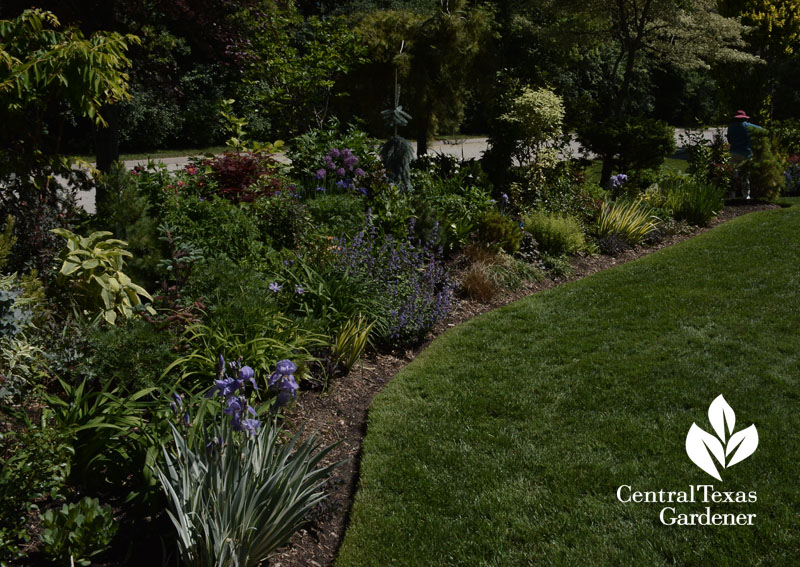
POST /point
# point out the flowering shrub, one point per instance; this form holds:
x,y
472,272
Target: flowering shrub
x,y
410,278
235,492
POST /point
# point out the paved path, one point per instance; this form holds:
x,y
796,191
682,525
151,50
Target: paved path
x,y
465,148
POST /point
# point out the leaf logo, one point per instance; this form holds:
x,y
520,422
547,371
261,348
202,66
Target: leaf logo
x,y
735,447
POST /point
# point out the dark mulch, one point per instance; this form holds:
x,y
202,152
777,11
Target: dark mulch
x,y
339,414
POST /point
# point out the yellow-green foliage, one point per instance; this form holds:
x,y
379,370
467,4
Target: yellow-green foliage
x,y
631,220
537,119
497,231
352,340
93,266
7,241
556,234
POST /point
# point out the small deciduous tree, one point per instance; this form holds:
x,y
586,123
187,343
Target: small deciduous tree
x,y
536,117
48,72
688,34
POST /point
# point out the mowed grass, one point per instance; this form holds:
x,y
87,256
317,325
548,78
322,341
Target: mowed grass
x,y
504,442
671,165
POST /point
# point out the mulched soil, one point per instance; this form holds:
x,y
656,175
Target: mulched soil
x,y
339,414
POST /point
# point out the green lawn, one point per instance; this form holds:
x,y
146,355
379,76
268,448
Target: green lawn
x,y
673,165
504,442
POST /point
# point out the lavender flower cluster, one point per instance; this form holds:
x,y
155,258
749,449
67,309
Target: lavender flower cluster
x,y
340,171
412,281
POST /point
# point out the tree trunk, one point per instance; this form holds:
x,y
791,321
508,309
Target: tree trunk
x,y
107,148
422,134
605,174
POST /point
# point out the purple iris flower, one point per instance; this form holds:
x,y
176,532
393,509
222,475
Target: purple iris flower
x,y
225,387
275,286
289,384
299,290
249,425
247,374
286,367
321,173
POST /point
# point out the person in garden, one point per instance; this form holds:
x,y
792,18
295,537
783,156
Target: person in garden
x,y
741,147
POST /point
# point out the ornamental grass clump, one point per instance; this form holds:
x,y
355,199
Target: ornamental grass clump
x,y
632,221
695,202
236,491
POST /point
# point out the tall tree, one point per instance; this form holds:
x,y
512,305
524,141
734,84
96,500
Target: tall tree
x,y
437,66
443,53
774,35
687,34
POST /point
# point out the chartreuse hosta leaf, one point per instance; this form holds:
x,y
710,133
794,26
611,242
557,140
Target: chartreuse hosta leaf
x,y
94,265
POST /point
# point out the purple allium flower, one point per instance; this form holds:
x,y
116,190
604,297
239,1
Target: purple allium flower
x,y
321,173
340,172
334,153
359,172
350,162
275,286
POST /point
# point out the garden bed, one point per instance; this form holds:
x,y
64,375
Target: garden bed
x,y
339,414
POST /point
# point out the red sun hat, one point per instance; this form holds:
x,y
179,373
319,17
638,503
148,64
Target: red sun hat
x,y
741,114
